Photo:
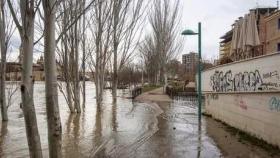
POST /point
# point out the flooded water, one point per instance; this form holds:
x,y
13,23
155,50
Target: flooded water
x,y
125,129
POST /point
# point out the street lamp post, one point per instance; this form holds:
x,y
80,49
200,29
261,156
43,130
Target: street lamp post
x,y
190,32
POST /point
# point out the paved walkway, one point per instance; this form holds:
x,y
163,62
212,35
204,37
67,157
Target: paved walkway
x,y
179,135
156,95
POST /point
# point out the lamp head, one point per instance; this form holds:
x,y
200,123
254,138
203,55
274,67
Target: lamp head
x,y
188,32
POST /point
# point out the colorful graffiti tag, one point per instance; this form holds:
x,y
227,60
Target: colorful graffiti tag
x,y
274,104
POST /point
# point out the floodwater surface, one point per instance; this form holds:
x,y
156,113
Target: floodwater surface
x,y
124,129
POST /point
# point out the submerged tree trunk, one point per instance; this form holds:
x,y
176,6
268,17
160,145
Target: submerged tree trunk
x,y
27,10
28,108
84,55
4,108
3,103
115,49
76,71
115,76
53,117
66,76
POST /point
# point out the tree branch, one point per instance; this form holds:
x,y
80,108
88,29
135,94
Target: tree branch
x,y
14,17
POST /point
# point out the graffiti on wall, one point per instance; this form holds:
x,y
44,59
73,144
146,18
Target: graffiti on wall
x,y
274,104
240,102
242,81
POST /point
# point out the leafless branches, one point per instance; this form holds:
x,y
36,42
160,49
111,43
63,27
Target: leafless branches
x,y
162,44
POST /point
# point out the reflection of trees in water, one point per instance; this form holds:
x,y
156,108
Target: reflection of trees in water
x,y
4,131
98,150
114,116
72,136
98,124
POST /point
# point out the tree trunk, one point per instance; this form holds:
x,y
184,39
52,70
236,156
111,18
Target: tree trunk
x,y
67,76
28,108
76,72
115,51
3,103
84,56
53,117
115,75
69,96
4,109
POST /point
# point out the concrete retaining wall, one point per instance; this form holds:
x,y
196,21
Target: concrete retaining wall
x,y
255,113
246,95
257,74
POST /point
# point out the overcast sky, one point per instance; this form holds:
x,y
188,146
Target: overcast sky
x,y
216,17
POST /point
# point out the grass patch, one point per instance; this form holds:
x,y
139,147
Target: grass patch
x,y
148,88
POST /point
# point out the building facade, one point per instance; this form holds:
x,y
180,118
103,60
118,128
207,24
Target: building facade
x,y
246,95
268,30
225,44
272,33
190,61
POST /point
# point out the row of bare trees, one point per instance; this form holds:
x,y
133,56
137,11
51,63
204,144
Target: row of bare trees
x,y
101,36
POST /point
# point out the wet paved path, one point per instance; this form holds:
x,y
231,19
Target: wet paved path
x,y
154,96
180,136
154,126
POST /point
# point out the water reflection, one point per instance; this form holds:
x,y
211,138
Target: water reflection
x,y
114,116
199,140
72,136
3,134
98,123
119,129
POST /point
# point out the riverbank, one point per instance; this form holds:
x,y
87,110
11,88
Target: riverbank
x,y
213,139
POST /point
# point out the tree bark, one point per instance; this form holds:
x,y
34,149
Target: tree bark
x,y
84,55
53,117
28,108
3,104
66,76
76,71
27,38
115,49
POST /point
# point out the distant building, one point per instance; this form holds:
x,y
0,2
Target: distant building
x,y
189,62
225,44
272,32
13,71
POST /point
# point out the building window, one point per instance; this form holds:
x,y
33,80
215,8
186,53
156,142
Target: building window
x,y
278,47
278,23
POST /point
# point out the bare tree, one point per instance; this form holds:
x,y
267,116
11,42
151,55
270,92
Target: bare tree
x,y
84,54
71,12
6,31
54,123
65,53
127,20
26,31
163,44
101,29
149,56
